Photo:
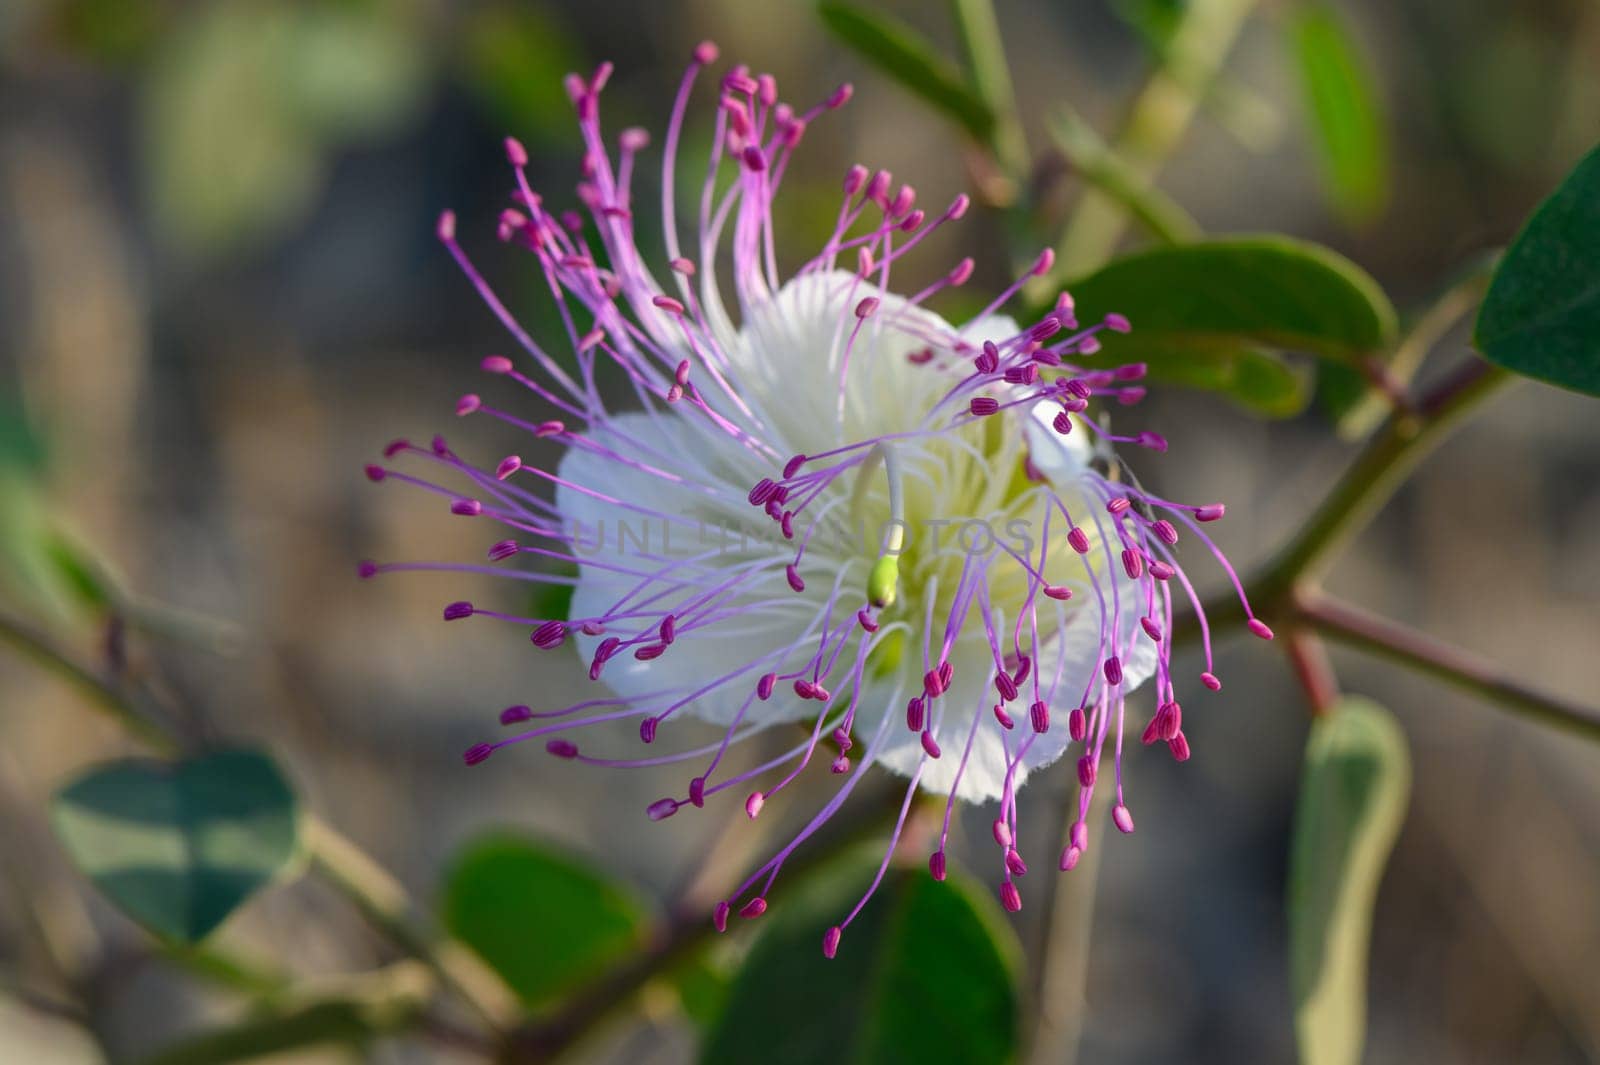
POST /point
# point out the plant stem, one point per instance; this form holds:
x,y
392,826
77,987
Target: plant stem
x,y
1095,163
1310,661
1286,592
1369,482
1155,125
106,694
1397,371
991,76
1358,628
1061,979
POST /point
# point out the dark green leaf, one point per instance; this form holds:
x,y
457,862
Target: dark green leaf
x,y
544,921
553,600
1155,21
180,847
901,53
1541,317
703,989
1346,117
1202,313
924,975
22,446
1268,290
85,577
513,55
1352,799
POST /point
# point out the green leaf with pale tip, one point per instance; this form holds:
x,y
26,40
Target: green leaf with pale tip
x,y
180,847
1346,117
1353,795
926,974
545,921
1541,317
900,52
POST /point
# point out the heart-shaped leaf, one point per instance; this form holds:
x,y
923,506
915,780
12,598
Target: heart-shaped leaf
x,y
1352,799
1541,317
925,974
542,920
179,847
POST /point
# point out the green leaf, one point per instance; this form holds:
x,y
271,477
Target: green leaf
x,y
1346,117
513,55
247,97
703,989
22,446
1541,317
1155,21
353,71
180,847
1352,800
898,51
1203,312
544,921
926,974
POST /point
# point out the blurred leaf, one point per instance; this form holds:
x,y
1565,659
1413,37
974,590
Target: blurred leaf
x,y
553,601
1340,389
353,71
87,578
898,51
703,989
542,920
374,1004
1155,21
1352,799
110,31
1346,116
244,100
1541,317
925,974
514,56
227,161
179,847
22,446
1202,312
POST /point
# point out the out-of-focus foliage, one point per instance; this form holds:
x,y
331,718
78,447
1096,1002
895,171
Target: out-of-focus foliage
x,y
902,54
927,972
1353,796
1201,313
545,922
179,847
1542,315
248,98
1346,119
513,55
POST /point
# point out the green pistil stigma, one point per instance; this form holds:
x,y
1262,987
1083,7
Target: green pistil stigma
x,y
882,580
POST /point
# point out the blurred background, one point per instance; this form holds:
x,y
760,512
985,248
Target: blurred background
x,y
220,295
